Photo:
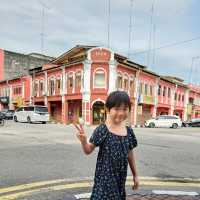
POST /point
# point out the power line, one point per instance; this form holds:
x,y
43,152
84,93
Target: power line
x,y
167,45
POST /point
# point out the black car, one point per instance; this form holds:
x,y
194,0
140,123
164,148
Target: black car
x,y
9,114
193,123
1,116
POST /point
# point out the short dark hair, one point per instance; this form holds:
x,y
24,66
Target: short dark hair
x,y
118,98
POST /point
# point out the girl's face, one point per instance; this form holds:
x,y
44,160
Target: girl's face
x,y
118,114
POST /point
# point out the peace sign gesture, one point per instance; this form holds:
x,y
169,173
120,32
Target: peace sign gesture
x,y
81,133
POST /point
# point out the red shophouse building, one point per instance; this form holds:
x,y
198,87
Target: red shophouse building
x,y
77,83
14,93
194,102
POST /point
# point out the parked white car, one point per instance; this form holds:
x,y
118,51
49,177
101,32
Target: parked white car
x,y
31,114
171,121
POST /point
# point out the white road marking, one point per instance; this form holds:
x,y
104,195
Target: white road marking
x,y
83,195
168,192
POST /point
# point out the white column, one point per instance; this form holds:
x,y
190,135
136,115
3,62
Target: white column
x,y
155,93
63,82
136,92
186,101
10,97
74,82
86,86
23,90
31,90
45,88
112,76
172,101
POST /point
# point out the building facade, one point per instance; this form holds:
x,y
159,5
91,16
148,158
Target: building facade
x,y
76,84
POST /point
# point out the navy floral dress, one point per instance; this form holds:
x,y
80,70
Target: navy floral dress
x,y
112,163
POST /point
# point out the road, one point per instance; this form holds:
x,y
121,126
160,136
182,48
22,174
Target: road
x,y
45,152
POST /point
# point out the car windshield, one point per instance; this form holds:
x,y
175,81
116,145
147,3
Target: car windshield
x,y
41,109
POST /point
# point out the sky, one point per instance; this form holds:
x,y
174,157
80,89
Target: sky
x,y
68,23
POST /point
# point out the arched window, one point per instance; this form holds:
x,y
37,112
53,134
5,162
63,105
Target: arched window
x,y
58,85
51,86
126,83
70,81
35,88
119,81
99,79
78,80
41,87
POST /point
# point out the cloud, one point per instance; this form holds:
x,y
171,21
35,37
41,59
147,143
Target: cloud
x,y
68,23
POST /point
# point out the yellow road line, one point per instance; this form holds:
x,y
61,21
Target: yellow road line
x,y
30,185
89,184
57,181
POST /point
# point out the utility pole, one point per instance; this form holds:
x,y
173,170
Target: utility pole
x,y
108,33
154,46
130,27
150,34
42,34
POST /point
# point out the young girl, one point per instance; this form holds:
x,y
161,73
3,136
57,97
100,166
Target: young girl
x,y
116,142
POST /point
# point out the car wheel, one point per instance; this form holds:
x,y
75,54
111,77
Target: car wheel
x,y
174,125
15,119
29,120
2,122
152,125
43,122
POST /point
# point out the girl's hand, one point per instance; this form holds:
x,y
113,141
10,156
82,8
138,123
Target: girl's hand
x,y
80,134
136,183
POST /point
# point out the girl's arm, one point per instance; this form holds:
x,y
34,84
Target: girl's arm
x,y
131,161
132,164
87,147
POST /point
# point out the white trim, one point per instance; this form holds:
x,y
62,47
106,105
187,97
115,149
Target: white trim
x,y
99,99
